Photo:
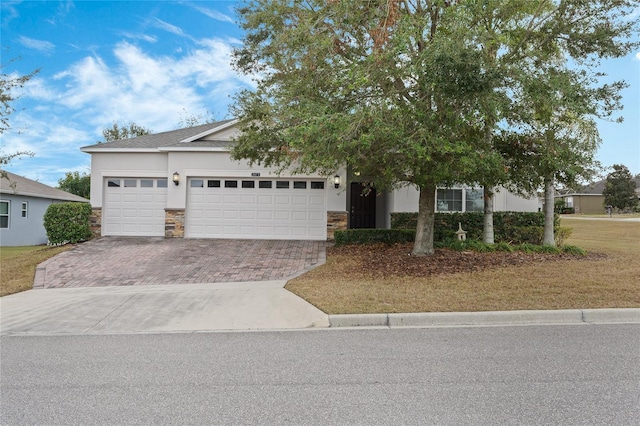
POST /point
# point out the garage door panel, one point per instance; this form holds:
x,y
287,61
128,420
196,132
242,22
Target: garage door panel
x,y
299,215
134,209
256,210
281,215
299,199
247,215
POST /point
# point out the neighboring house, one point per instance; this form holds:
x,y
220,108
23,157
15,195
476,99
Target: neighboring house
x,y
23,203
182,183
589,200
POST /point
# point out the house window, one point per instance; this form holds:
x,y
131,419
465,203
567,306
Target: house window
x,y
146,183
474,200
161,183
130,183
4,214
299,184
317,185
265,184
213,184
449,200
568,201
197,183
24,209
230,183
248,184
282,184
113,183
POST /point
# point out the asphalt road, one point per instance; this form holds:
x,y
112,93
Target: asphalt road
x,y
584,374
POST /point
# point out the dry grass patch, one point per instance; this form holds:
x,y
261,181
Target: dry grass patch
x,y
356,282
18,266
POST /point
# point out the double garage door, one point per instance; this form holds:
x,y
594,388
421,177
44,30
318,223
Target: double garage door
x,y
220,208
256,208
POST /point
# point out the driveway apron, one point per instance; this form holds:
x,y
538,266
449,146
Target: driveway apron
x,y
126,261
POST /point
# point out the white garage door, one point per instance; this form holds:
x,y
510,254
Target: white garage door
x,y
275,209
134,207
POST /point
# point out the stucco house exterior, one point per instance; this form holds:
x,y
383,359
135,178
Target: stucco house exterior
x,y
23,203
589,200
183,183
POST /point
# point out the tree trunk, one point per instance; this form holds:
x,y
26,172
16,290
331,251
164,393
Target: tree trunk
x,y
426,217
548,239
487,229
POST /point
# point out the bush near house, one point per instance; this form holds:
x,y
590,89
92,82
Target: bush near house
x,y
512,227
67,222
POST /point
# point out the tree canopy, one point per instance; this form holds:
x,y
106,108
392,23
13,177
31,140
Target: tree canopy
x,y
414,92
76,183
619,190
9,84
118,131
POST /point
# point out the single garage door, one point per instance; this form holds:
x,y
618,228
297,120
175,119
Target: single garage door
x,y
134,207
276,209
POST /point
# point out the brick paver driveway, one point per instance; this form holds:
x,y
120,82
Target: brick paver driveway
x,y
114,261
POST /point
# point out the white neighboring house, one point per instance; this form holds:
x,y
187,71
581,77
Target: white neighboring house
x,y
23,203
183,183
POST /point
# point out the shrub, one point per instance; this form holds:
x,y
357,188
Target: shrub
x,y
508,226
561,233
367,236
503,246
67,222
574,250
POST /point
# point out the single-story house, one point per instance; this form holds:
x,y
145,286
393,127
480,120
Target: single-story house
x,y
589,199
183,183
23,203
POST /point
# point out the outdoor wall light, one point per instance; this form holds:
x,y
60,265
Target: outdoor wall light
x,y
176,178
336,181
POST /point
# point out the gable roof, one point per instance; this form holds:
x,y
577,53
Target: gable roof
x,y
173,138
597,188
19,185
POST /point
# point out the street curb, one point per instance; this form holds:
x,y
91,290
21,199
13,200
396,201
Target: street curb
x,y
438,319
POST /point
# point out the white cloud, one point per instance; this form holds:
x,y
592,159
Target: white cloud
x,y
41,45
145,37
213,14
159,23
149,90
637,56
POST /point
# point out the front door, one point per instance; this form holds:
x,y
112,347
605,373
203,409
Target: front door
x,y
363,207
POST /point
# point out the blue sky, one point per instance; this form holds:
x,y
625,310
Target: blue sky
x,y
156,63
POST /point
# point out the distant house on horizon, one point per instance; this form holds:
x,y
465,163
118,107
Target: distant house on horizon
x,y
23,203
589,199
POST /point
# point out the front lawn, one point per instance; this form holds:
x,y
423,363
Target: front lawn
x,y
357,279
18,266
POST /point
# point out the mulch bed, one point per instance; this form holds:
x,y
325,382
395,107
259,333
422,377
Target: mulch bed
x,y
396,260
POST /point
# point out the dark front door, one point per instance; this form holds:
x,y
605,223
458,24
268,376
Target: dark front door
x,y
363,207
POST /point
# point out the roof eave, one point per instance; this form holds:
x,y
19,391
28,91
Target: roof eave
x,y
93,149
210,131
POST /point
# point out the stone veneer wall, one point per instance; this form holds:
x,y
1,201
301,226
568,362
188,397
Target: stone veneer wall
x,y
95,222
174,223
335,221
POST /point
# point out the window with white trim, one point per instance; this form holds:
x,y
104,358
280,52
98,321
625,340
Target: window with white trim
x,y
474,200
4,213
460,200
24,209
449,200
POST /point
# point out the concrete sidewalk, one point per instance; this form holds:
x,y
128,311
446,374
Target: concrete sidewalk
x,y
233,306
157,309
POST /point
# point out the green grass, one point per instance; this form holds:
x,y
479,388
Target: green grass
x,y
18,266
